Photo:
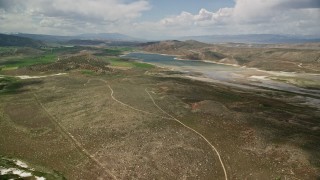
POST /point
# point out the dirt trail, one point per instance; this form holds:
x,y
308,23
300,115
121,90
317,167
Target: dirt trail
x,y
171,118
124,104
204,138
75,141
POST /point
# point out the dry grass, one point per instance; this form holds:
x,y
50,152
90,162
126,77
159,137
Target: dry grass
x,y
246,127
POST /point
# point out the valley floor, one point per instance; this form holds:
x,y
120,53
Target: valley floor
x,y
152,124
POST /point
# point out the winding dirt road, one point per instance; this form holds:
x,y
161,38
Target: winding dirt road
x,y
204,138
171,118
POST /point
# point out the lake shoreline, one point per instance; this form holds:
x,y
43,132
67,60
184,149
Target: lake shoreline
x,y
243,77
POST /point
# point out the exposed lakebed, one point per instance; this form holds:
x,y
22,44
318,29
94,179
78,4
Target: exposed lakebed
x,y
301,84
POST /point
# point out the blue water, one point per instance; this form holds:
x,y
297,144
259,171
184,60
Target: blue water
x,y
211,70
171,61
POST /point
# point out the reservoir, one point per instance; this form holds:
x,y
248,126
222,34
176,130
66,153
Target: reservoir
x,y
214,71
233,75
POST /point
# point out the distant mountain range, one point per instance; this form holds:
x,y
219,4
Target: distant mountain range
x,y
106,36
23,39
99,36
253,38
10,40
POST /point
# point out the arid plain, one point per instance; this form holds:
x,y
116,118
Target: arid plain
x,y
89,116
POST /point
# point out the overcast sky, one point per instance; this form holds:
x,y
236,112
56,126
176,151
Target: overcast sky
x,y
161,18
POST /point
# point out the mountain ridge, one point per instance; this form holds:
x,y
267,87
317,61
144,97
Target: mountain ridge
x,y
89,36
12,40
253,38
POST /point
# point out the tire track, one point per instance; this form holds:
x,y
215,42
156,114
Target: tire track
x,y
203,137
127,105
77,144
171,118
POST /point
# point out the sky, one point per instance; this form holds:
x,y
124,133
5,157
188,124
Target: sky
x,y
158,19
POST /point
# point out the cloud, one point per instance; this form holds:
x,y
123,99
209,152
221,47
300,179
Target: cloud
x,y
298,4
184,18
264,10
61,13
78,9
253,16
85,16
204,18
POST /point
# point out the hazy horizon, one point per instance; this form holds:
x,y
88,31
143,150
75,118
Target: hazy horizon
x,y
151,19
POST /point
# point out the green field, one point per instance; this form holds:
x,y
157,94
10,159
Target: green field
x,y
9,85
17,57
128,63
27,61
6,49
88,72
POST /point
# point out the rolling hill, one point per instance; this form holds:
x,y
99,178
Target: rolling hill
x,y
253,38
11,40
289,57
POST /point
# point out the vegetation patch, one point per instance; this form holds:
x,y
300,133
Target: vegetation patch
x,y
18,51
11,40
119,62
142,65
66,49
110,52
213,55
193,56
125,48
242,60
7,51
84,62
88,72
9,85
28,61
3,68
